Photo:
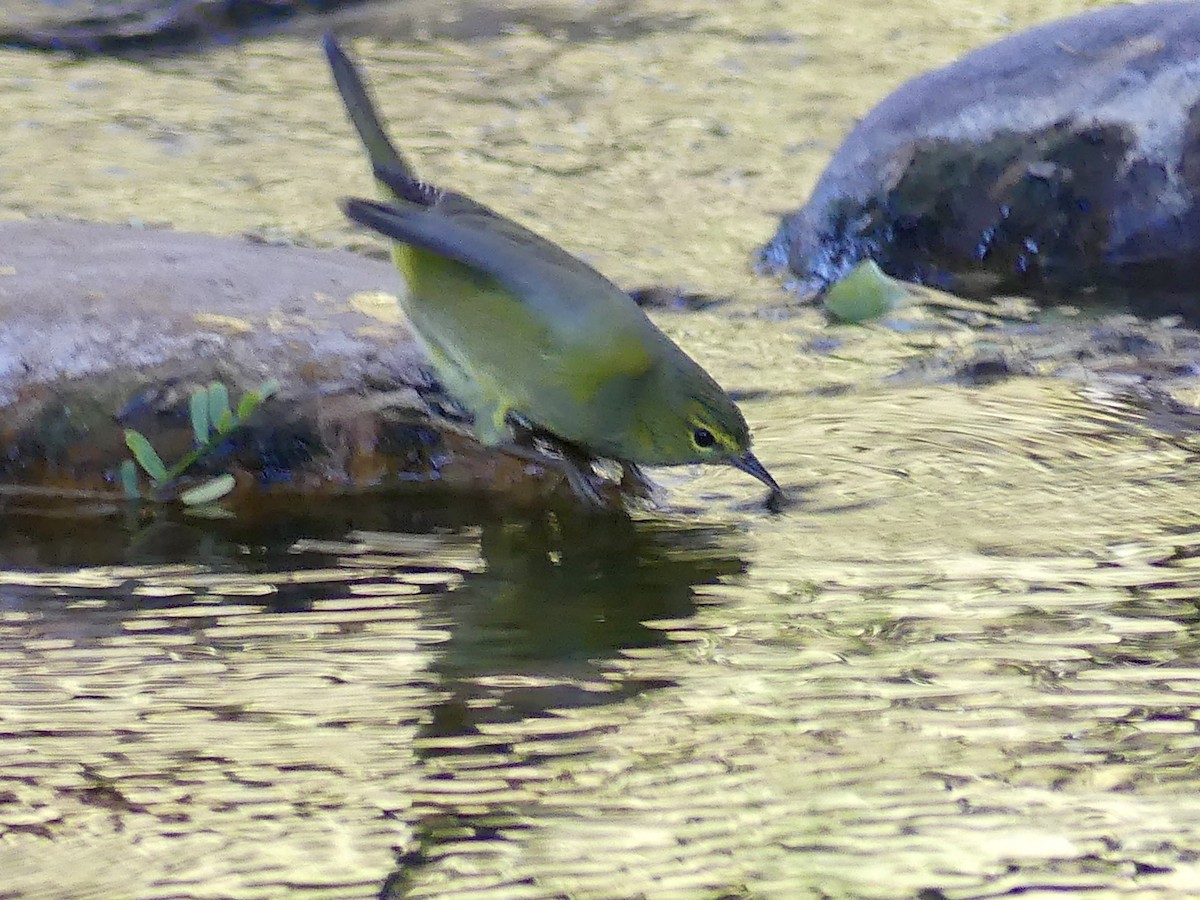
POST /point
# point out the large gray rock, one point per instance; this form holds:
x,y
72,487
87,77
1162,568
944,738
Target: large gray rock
x,y
1057,161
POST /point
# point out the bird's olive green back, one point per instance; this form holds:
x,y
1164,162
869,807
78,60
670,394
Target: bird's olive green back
x,y
583,361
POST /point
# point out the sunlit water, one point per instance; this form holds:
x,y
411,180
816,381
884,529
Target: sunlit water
x,y
962,662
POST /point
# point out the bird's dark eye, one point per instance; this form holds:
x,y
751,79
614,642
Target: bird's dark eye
x,y
703,437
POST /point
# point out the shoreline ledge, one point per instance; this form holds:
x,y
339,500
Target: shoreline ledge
x,y
108,327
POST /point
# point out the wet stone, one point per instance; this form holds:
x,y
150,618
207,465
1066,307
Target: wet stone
x,y
1059,162
160,27
90,27
107,328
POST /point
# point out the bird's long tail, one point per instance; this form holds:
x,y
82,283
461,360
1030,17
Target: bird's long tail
x,y
359,107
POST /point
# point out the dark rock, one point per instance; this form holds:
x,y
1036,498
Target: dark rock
x,y
152,27
1060,162
85,27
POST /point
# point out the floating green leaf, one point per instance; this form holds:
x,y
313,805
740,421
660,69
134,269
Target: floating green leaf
x,y
199,411
209,492
146,455
864,294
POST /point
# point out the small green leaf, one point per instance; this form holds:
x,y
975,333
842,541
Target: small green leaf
x,y
249,403
252,400
209,492
865,293
227,422
146,455
129,479
199,411
218,403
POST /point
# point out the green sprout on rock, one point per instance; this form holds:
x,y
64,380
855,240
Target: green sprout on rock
x,y
213,420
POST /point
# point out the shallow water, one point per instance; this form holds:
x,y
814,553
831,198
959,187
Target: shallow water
x,y
964,662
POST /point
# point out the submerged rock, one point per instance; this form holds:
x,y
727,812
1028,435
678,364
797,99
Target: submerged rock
x,y
86,27
107,328
1060,161
151,27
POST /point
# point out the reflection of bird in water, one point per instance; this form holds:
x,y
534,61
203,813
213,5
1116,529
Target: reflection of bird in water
x,y
533,633
558,596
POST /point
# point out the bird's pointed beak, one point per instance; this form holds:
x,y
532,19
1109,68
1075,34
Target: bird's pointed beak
x,y
749,464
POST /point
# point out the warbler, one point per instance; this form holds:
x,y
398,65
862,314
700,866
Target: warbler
x,y
535,343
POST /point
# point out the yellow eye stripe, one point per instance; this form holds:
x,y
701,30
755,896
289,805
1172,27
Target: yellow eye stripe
x,y
720,439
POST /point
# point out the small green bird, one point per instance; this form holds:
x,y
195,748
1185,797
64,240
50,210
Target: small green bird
x,y
531,340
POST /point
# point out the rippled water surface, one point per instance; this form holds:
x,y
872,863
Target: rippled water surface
x,y
963,664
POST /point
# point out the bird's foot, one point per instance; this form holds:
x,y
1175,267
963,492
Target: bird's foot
x,y
571,461
634,482
580,477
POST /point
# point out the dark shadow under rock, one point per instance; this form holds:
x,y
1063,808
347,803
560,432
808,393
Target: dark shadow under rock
x,y
1058,163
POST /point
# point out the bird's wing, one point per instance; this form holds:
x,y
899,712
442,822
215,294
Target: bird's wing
x,y
601,329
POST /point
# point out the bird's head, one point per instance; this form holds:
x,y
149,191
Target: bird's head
x,y
697,422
